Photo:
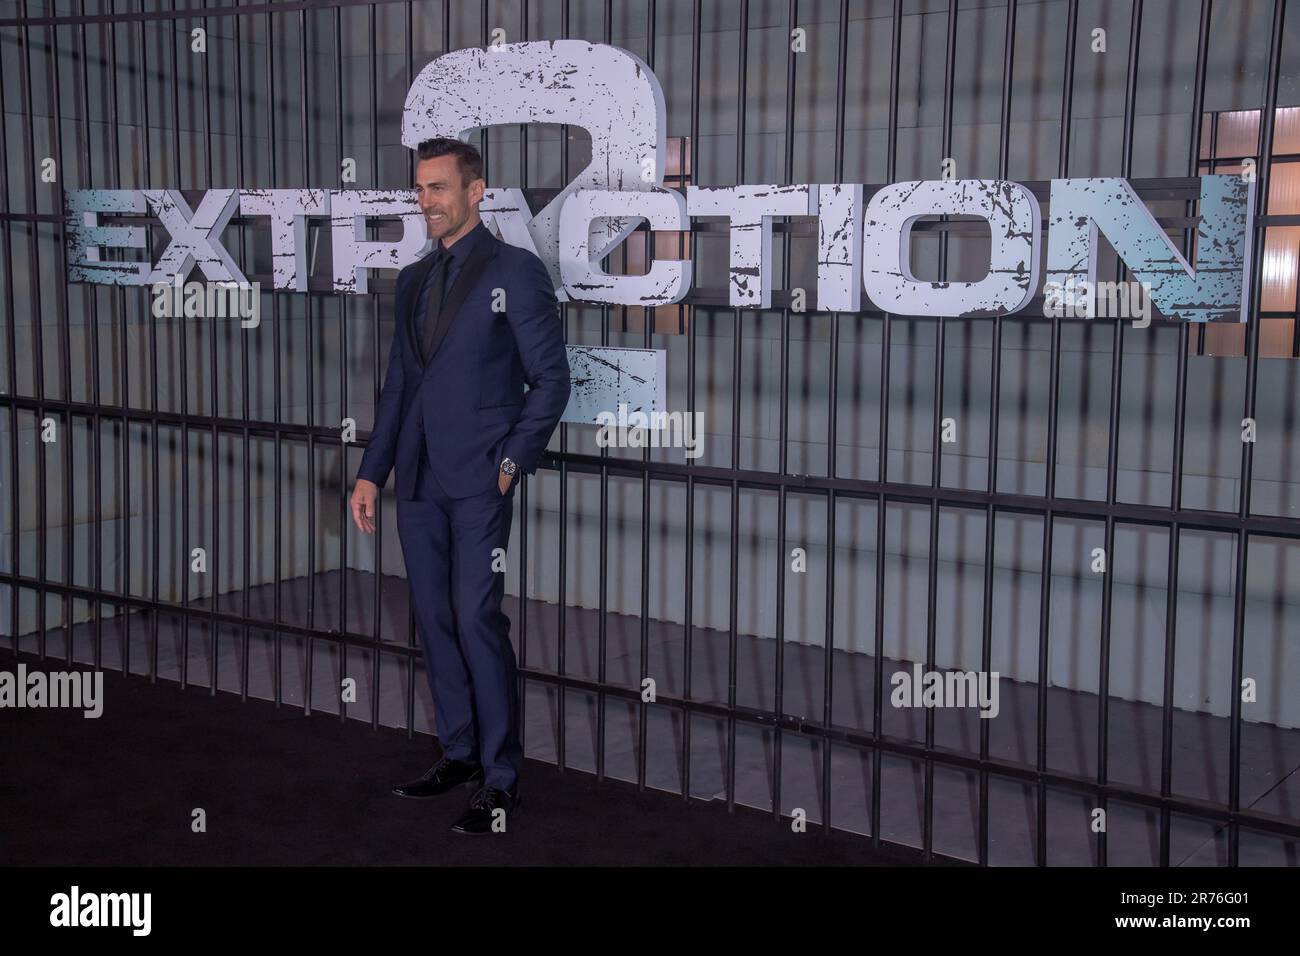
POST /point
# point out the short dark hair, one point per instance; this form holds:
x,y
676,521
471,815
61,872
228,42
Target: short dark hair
x,y
468,158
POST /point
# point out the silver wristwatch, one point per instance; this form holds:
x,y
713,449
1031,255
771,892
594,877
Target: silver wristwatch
x,y
508,466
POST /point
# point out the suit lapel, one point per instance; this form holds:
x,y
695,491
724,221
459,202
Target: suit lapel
x,y
482,253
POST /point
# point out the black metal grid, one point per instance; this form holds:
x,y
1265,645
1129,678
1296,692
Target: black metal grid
x,y
118,411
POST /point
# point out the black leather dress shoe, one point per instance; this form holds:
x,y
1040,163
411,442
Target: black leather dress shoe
x,y
481,815
446,774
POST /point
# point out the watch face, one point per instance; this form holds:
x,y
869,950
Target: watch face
x,y
507,466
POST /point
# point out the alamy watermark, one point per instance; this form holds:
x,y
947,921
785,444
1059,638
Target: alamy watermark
x,y
221,300
946,689
80,690
1100,300
638,429
75,908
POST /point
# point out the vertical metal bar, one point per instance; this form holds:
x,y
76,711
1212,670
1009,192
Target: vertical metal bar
x,y
682,243
1176,477
214,586
410,607
65,320
304,91
936,449
125,398
170,27
1112,455
1267,121
374,166
877,710
995,417
246,407
96,472
485,137
734,535
691,369
832,426
11,332
155,566
311,388
522,615
561,753
602,620
648,319
37,313
275,375
344,576
119,305
783,430
1049,490
602,635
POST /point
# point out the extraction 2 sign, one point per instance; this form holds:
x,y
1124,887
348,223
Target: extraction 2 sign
x,y
862,247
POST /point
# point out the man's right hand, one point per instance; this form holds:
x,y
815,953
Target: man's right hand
x,y
364,497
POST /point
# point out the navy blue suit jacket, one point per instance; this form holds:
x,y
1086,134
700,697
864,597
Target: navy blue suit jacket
x,y
468,402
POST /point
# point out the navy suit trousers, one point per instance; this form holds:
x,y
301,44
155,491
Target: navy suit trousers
x,y
450,549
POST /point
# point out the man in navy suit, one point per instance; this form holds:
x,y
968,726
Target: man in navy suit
x,y
476,319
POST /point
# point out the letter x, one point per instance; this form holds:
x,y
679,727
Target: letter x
x,y
194,234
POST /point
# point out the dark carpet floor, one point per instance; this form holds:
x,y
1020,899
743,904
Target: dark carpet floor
x,y
278,788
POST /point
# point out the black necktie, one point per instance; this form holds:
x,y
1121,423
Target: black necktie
x,y
437,285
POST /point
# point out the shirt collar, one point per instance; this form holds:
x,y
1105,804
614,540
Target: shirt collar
x,y
462,246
